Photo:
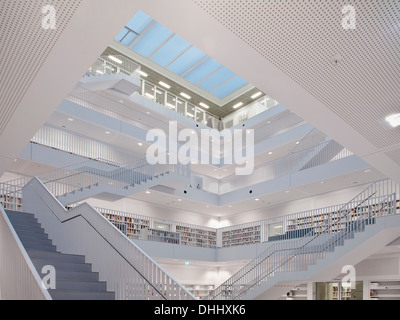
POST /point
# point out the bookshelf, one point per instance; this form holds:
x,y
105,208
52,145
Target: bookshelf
x,y
241,236
131,225
384,290
192,236
199,291
160,236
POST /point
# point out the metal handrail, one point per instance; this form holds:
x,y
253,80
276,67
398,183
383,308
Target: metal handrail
x,y
267,258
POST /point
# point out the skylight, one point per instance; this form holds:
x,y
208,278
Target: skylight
x,y
154,41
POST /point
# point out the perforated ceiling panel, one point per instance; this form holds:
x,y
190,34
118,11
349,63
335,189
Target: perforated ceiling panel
x,y
301,37
25,46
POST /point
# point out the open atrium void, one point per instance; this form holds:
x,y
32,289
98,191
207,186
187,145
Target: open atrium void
x,y
200,150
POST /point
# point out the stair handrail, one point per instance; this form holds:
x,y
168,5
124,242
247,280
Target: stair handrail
x,y
283,246
134,256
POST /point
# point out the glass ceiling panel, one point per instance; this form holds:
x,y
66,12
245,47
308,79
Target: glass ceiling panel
x,y
229,87
152,39
187,60
203,70
139,22
168,52
216,79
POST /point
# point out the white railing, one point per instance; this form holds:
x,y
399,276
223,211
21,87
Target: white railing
x,y
74,143
133,226
114,64
19,279
128,271
289,164
296,255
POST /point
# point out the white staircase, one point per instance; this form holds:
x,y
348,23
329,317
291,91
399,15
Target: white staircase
x,y
363,225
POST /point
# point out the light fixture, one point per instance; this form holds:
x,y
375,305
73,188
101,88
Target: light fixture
x,y
187,263
202,104
179,200
237,105
393,120
367,170
149,95
185,95
148,192
297,142
270,152
140,144
70,119
115,59
256,95
143,74
323,182
108,132
256,199
229,206
165,85
99,72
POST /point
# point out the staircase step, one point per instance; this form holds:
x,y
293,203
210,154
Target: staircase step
x,y
55,256
34,239
40,247
19,214
62,265
76,285
21,219
76,275
81,295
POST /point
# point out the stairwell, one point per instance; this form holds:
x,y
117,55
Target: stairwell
x,y
75,279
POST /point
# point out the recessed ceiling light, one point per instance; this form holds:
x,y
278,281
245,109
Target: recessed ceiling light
x,y
367,170
229,206
115,59
270,152
297,142
165,85
237,105
256,199
323,182
393,120
202,104
108,132
121,101
179,199
256,95
185,95
140,144
143,74
147,191
70,119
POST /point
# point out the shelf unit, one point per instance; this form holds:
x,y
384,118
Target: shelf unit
x,y
298,293
160,236
330,221
192,236
384,290
199,291
241,236
131,226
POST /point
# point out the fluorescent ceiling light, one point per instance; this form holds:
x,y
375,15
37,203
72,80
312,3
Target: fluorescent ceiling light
x,y
99,72
189,114
204,105
115,59
165,85
237,105
393,120
144,74
256,95
185,95
149,95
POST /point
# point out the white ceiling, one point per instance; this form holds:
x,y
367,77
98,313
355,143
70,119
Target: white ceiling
x,y
286,49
